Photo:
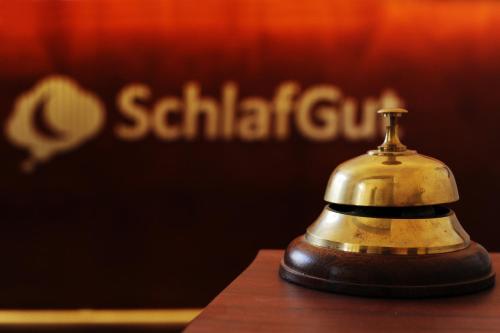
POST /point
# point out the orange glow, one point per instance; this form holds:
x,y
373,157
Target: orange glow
x,y
428,31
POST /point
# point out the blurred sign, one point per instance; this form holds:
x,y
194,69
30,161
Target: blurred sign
x,y
69,116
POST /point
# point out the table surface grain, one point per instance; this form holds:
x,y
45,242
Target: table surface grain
x,y
259,301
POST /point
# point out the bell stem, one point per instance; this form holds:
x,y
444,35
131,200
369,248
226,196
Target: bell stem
x,y
391,142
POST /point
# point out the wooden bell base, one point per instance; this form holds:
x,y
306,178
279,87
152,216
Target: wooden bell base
x,y
380,275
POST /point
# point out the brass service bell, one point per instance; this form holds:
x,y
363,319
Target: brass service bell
x,y
386,230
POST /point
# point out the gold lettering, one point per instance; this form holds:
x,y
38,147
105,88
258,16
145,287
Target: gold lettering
x,y
126,102
326,114
229,96
283,107
159,122
196,106
255,124
366,128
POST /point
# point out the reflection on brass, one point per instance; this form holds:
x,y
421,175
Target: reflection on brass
x,y
387,235
103,317
392,176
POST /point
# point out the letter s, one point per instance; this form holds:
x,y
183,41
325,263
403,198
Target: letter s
x,y
126,102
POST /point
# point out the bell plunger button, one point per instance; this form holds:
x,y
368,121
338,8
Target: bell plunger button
x,y
392,142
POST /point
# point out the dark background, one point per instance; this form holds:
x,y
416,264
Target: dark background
x,y
149,223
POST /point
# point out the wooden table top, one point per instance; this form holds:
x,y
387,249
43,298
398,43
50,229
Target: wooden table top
x,y
259,301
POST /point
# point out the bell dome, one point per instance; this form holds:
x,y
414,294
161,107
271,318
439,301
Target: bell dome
x,y
392,176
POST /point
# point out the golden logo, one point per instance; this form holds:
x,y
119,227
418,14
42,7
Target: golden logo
x,y
57,115
317,113
69,116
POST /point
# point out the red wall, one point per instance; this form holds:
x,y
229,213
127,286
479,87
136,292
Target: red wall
x,y
148,219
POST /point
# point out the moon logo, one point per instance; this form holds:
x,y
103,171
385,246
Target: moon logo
x,y
54,117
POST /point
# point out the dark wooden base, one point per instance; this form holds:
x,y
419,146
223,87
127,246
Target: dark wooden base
x,y
381,275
